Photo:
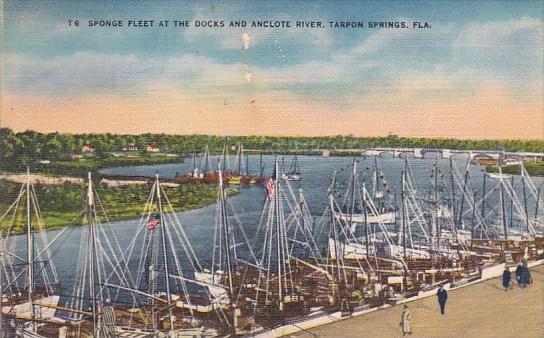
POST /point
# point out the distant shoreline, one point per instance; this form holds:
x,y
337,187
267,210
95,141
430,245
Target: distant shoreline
x,y
61,199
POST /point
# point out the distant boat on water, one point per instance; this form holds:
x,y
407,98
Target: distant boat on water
x,y
294,173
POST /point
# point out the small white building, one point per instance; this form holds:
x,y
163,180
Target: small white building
x,y
153,148
130,147
87,149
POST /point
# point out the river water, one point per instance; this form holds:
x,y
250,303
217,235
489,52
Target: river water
x,y
317,173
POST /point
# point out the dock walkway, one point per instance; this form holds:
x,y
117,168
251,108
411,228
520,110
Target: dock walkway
x,y
480,310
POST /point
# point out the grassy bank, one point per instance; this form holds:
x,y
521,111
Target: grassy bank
x,y
80,167
533,168
61,204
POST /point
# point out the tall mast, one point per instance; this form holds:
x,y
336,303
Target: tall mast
x,y
367,240
353,180
224,224
403,210
472,224
484,193
537,202
92,247
338,251
503,213
247,165
434,230
164,252
452,183
460,217
512,203
224,162
261,165
525,201
30,251
375,182
1,289
302,221
194,162
240,158
279,238
206,156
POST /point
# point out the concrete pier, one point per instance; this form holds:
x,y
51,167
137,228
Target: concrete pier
x,y
480,310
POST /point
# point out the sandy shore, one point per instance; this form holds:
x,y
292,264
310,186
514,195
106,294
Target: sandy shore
x,y
481,310
41,179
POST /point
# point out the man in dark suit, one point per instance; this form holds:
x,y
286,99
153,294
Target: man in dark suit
x,y
442,297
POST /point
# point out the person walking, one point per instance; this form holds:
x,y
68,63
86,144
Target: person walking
x,y
525,275
442,295
519,270
406,321
506,278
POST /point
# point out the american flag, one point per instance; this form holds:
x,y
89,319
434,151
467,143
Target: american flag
x,y
153,221
270,188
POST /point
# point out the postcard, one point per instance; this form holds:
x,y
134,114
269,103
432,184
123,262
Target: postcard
x,y
271,169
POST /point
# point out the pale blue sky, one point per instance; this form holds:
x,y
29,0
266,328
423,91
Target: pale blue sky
x,y
471,44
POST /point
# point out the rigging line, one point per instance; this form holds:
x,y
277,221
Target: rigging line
x,y
285,244
180,271
262,250
240,226
9,253
15,280
179,230
43,239
51,242
102,271
143,268
216,232
134,291
364,205
383,228
79,288
121,274
294,211
13,205
182,238
270,244
347,235
114,236
14,215
519,208
416,209
239,293
147,240
259,276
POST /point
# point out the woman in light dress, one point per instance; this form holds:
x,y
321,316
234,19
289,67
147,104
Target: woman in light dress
x,y
406,321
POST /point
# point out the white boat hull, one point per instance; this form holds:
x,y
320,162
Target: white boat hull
x,y
349,250
498,176
385,218
397,251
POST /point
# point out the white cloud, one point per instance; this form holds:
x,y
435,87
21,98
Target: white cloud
x,y
349,75
510,48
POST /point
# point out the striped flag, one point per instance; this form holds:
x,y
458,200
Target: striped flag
x,y
270,188
153,221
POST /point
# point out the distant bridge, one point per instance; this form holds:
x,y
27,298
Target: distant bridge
x,y
446,153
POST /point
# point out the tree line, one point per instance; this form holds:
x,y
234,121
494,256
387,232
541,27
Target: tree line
x,y
29,146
